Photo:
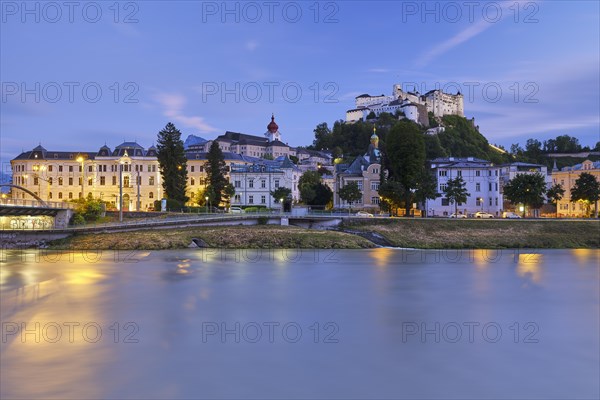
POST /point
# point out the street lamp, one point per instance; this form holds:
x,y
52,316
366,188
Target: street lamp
x,y
206,203
281,200
81,160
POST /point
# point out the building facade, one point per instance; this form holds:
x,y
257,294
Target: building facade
x,y
65,176
365,172
412,105
254,183
482,179
566,177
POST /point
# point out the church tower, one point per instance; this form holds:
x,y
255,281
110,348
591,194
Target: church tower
x,y
373,151
273,130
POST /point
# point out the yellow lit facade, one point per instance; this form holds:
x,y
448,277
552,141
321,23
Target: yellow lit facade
x,y
566,177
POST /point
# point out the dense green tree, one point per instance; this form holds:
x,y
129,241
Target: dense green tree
x,y
393,195
89,208
323,137
172,162
433,147
587,190
350,193
555,194
456,192
562,144
526,189
350,139
406,154
462,139
533,149
281,193
220,188
426,188
312,190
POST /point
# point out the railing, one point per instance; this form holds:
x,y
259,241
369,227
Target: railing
x,y
192,218
35,203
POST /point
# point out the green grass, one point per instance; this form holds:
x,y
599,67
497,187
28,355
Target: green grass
x,y
471,233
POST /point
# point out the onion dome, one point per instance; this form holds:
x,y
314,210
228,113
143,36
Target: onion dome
x,y
272,127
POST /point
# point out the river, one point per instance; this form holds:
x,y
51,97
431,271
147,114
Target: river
x,y
352,324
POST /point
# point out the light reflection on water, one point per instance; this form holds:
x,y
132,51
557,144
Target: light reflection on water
x,y
372,296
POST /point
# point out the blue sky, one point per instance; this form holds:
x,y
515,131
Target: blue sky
x,y
169,61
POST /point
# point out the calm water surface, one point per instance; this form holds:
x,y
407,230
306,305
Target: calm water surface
x,y
382,323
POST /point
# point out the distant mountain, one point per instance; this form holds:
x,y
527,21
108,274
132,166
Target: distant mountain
x,y
193,140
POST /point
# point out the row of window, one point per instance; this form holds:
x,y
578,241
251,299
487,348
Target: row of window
x,y
263,184
565,206
90,168
374,185
60,181
444,172
263,199
491,186
70,195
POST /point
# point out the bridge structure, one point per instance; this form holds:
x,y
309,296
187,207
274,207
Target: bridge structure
x,y
29,214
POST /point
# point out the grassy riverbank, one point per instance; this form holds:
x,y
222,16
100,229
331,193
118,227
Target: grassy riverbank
x,y
231,237
471,233
414,233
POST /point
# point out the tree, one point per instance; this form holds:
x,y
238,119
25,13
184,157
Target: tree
x,y
281,193
323,139
172,162
555,194
406,155
312,190
456,192
215,171
426,187
587,190
89,208
350,193
533,149
392,195
526,189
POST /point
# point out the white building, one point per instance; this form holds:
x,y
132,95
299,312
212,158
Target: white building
x,y
254,183
412,105
482,180
509,171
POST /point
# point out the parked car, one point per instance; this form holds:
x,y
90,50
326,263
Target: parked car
x,y
459,215
510,215
236,210
483,214
364,214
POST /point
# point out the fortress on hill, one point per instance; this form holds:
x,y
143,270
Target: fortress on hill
x,y
411,105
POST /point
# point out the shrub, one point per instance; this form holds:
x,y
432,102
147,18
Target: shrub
x,y
262,220
255,209
77,219
174,205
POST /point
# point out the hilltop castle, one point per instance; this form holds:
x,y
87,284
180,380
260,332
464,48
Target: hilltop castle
x,y
412,105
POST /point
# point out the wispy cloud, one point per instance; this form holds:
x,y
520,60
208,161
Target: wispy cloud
x,y
466,34
379,70
173,105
